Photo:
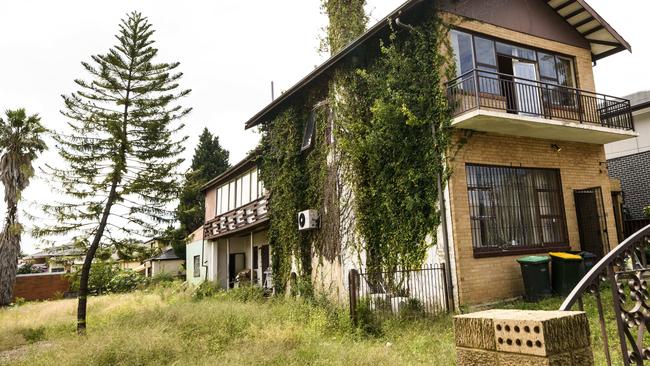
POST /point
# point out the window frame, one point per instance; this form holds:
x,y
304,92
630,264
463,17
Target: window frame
x,y
196,268
536,50
492,251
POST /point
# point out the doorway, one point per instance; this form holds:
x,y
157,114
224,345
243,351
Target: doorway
x,y
592,224
237,263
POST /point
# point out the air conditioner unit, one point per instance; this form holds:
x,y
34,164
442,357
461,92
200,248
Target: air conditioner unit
x,y
308,220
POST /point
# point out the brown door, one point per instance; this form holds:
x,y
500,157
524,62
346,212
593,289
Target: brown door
x,y
592,224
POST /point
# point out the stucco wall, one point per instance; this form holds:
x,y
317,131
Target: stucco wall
x,y
580,165
173,267
193,249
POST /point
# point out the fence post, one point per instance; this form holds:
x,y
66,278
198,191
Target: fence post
x,y
353,281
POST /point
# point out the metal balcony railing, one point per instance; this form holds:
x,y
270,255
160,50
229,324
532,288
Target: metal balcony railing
x,y
479,89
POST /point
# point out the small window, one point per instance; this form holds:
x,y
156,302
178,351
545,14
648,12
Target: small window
x,y
233,192
309,132
246,189
516,52
547,66
254,185
197,266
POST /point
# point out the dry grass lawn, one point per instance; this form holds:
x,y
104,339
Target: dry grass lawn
x,y
167,327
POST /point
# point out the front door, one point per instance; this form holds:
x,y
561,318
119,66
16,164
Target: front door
x,y
592,224
527,88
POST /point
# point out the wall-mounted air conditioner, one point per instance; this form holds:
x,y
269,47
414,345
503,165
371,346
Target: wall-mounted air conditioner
x,y
308,220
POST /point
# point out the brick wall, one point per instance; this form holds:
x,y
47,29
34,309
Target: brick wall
x,y
632,171
41,286
489,279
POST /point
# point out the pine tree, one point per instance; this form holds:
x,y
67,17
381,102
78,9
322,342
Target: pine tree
x,y
210,160
121,154
20,143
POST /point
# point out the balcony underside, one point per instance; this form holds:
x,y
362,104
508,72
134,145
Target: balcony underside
x,y
537,127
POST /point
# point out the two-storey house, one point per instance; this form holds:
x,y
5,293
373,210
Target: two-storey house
x,y
234,246
530,178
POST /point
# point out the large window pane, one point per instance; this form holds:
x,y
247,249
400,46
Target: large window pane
x,y
485,51
565,72
515,208
463,51
238,196
231,200
246,189
547,66
254,185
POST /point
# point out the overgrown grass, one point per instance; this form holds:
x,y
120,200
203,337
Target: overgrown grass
x,y
173,325
169,326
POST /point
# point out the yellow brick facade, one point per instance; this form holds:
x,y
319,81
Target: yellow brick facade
x,y
581,166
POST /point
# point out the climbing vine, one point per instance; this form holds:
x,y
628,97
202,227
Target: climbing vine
x,y
385,134
383,114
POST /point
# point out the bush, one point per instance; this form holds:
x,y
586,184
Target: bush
x,y
33,335
646,211
29,269
161,278
125,281
205,290
107,278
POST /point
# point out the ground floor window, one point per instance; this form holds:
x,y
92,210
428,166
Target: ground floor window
x,y
514,209
197,266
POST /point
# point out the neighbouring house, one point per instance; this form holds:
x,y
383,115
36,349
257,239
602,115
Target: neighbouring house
x,y
629,162
531,176
165,262
63,258
195,265
234,245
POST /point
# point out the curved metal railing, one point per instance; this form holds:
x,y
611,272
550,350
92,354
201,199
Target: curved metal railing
x,y
626,270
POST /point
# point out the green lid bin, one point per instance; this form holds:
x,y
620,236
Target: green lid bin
x,y
567,272
534,271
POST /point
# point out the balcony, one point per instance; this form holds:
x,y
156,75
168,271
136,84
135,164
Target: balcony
x,y
500,103
238,220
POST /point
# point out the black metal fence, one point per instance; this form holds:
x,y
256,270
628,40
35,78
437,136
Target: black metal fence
x,y
405,293
479,89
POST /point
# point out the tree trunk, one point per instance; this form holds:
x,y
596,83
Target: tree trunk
x,y
88,261
9,251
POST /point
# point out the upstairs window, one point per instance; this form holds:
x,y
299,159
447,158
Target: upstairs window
x,y
309,133
515,210
463,51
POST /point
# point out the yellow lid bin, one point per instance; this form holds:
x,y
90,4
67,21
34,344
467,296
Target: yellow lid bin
x,y
567,256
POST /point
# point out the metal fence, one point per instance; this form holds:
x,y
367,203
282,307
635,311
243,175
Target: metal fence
x,y
405,293
479,89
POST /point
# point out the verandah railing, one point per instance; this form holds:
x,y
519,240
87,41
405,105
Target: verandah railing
x,y
408,293
479,89
624,271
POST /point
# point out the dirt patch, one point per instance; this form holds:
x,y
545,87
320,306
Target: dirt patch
x,y
17,353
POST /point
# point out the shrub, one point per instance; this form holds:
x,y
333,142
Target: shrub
x,y
29,269
162,278
646,211
125,281
33,335
107,278
205,290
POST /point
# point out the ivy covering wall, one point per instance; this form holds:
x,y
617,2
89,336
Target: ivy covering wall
x,y
384,149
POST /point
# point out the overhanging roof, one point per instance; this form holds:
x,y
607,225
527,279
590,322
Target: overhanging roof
x,y
604,40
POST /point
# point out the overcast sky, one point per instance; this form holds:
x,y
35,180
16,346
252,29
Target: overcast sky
x,y
229,51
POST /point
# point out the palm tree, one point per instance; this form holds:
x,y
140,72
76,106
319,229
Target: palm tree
x,y
20,143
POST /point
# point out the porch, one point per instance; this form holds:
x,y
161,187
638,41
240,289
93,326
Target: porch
x,y
502,103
